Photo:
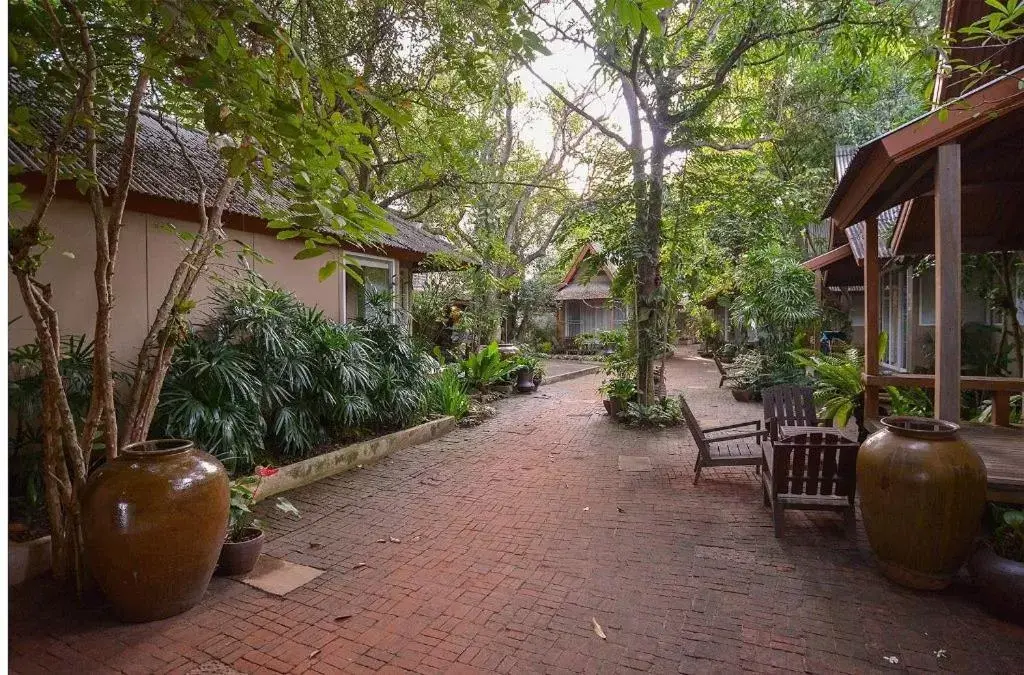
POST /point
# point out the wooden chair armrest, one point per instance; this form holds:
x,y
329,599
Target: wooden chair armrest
x,y
733,437
756,423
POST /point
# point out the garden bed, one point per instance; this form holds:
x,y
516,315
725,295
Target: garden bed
x,y
348,457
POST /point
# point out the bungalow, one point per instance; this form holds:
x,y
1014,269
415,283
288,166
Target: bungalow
x,y
907,303
163,203
583,302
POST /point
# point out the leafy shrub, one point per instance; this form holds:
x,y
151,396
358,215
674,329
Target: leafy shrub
x,y
269,375
446,394
665,412
1007,539
618,388
912,401
486,367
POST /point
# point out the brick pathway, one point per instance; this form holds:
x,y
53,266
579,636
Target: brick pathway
x,y
517,534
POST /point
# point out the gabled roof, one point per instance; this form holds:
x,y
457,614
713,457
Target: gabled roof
x,y
587,250
988,124
161,172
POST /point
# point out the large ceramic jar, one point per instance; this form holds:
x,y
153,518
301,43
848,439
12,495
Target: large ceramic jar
x,y
154,520
922,496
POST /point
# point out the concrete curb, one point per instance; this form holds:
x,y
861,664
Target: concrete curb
x,y
582,372
348,457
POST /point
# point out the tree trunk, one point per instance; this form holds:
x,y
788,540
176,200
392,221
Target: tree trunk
x,y
649,294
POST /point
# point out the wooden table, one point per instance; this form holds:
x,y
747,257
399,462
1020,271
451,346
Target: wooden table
x,y
788,431
1002,450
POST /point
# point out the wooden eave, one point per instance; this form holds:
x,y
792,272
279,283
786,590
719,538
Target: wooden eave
x,y
895,168
828,258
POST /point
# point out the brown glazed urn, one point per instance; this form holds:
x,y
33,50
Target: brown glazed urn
x,y
153,523
922,496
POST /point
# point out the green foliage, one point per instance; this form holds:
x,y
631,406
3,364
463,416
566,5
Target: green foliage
x,y
839,391
268,374
621,389
913,402
242,497
25,407
487,367
663,413
1007,539
446,393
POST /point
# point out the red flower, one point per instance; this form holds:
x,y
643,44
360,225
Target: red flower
x,y
266,471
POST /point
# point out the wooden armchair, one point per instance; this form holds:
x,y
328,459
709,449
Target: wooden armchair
x,y
742,448
788,406
816,471
726,373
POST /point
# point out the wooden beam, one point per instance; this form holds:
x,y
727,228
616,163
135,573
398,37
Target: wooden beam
x,y
1001,408
926,381
872,280
829,257
947,283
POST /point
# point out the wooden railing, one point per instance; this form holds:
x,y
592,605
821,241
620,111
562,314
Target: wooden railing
x,y
1002,389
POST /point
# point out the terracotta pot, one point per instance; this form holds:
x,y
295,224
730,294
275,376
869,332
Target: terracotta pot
x,y
922,496
1001,581
508,350
153,521
239,557
743,395
524,381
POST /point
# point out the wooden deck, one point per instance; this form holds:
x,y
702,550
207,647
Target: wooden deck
x,y
1002,449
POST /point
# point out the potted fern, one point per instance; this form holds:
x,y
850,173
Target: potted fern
x,y
998,565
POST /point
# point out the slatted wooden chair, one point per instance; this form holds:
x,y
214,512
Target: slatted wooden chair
x,y
726,373
788,406
816,471
732,449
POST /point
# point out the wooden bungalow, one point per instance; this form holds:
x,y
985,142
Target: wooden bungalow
x,y
583,301
958,173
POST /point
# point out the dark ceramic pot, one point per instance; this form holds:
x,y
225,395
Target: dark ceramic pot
x,y
922,496
524,381
1001,581
537,379
239,557
153,522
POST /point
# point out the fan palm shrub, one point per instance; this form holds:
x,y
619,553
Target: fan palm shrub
x,y
446,393
268,375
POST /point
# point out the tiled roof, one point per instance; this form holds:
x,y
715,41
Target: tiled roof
x,y
162,172
886,219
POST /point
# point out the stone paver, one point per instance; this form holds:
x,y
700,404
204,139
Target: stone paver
x,y
514,537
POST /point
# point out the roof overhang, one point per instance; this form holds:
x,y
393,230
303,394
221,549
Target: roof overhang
x,y
988,124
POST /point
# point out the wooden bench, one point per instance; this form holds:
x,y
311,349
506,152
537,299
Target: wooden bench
x,y
732,449
816,471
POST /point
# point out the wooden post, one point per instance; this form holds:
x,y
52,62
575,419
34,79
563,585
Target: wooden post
x,y
1001,408
872,281
947,283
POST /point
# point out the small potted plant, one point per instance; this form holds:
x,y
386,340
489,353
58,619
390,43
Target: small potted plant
x,y
244,541
618,393
538,373
526,366
998,565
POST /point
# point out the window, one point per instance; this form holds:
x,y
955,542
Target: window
x,y
358,295
572,319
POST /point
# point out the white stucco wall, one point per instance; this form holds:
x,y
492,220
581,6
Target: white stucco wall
x,y
147,259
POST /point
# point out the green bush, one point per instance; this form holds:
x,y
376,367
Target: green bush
x,y
269,376
446,393
663,413
486,367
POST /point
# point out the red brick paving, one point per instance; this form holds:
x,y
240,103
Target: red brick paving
x,y
500,569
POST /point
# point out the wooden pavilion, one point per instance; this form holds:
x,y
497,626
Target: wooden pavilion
x,y
958,173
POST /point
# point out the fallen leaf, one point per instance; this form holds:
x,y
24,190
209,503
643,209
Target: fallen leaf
x,y
597,629
343,617
621,510
394,540
382,541
315,653
315,544
586,508
891,659
415,538
359,466
941,654
358,565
